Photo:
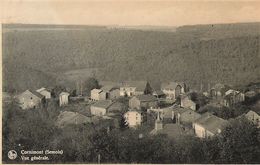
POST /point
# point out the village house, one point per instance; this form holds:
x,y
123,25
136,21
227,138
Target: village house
x,y
143,101
185,116
173,90
218,90
30,99
134,88
44,92
186,102
232,97
98,94
158,94
67,117
208,125
64,98
112,92
133,118
253,117
100,108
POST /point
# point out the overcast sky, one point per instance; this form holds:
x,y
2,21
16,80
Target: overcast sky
x,y
128,13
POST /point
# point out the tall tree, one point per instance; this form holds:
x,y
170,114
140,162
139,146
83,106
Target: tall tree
x,y
239,142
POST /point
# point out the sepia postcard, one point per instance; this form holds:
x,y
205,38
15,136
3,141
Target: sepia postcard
x,y
130,82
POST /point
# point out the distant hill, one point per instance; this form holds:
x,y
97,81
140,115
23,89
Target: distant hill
x,y
227,53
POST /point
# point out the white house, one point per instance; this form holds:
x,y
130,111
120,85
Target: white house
x,y
134,88
44,92
64,98
172,90
30,99
133,118
232,97
98,94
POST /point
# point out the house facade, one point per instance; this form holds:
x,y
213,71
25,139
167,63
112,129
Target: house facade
x,y
133,118
172,90
232,97
30,99
100,108
64,98
135,88
114,94
44,92
208,125
186,102
143,101
112,91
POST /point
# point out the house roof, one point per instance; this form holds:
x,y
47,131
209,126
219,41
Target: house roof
x,y
146,98
167,112
253,112
64,93
211,122
42,89
103,104
181,110
158,92
69,117
96,90
34,93
231,91
140,85
187,98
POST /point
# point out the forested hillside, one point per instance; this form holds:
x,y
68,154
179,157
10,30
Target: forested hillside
x,y
198,54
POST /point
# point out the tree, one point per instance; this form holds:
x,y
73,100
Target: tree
x,y
89,84
239,142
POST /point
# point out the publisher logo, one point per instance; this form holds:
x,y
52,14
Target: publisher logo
x,y
12,154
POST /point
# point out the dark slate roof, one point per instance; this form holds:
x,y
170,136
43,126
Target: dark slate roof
x,y
140,85
146,98
181,110
68,117
36,94
211,122
103,104
158,92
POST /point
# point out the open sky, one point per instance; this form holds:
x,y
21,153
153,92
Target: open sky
x,y
128,13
